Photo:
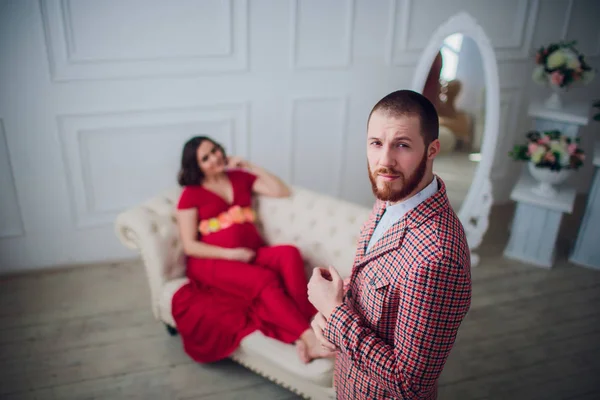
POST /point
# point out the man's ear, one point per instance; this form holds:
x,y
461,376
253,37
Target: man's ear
x,y
433,150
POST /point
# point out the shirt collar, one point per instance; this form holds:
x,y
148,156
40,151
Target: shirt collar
x,y
405,206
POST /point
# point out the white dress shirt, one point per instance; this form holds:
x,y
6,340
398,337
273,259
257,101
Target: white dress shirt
x,y
393,213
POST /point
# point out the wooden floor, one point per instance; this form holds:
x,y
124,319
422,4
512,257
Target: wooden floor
x,y
88,333
457,172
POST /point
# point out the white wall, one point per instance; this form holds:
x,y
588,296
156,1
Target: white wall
x,y
97,97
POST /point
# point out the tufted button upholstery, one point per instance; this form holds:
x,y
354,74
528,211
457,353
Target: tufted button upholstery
x,y
324,229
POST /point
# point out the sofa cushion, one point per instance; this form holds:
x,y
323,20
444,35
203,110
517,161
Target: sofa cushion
x,y
319,372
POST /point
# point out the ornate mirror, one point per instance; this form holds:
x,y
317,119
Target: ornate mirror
x,y
458,73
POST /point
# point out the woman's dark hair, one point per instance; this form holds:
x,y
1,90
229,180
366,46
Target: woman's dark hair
x,y
190,173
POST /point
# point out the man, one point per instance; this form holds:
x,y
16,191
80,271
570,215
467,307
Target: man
x,y
410,286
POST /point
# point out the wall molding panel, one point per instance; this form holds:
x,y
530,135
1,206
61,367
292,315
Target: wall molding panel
x,y
11,220
508,132
311,39
81,50
402,53
317,142
111,90
574,14
108,157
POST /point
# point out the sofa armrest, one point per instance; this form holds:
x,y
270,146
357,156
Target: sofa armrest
x,y
151,229
130,224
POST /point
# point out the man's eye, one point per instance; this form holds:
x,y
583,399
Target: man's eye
x,y
375,143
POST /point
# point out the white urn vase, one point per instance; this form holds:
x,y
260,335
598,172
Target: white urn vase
x,y
547,179
555,101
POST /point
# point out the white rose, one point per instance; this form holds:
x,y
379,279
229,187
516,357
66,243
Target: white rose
x,y
539,75
564,158
573,63
537,155
556,59
555,145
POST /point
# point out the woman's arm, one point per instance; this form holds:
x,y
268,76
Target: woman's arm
x,y
187,220
266,183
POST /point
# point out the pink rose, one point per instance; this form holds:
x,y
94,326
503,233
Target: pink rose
x,y
557,78
544,140
237,215
225,219
204,227
549,157
571,148
532,148
248,214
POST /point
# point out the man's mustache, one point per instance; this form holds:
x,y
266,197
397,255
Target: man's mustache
x,y
387,171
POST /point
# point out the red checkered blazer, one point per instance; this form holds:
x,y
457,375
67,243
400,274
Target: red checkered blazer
x,y
405,303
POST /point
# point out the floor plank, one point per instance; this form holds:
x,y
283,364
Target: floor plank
x,y
223,380
89,333
79,332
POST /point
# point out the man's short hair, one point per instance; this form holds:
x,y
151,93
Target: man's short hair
x,y
409,103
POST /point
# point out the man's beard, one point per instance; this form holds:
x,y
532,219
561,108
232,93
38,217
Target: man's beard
x,y
387,193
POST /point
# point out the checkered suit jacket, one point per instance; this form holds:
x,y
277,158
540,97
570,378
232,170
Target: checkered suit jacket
x,y
406,300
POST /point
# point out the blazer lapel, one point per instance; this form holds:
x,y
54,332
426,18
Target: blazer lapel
x,y
391,240
369,228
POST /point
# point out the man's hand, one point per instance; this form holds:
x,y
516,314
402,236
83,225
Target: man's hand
x,y
318,324
325,290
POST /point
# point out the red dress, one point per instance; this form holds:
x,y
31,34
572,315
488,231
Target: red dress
x,y
227,300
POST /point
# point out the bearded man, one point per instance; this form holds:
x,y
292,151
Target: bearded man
x,y
410,286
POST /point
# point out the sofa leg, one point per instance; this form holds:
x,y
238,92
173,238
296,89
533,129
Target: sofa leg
x,y
172,331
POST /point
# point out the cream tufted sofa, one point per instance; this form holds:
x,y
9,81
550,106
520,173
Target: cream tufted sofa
x,y
325,230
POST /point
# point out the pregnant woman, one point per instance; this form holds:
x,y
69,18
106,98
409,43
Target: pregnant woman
x,y
238,284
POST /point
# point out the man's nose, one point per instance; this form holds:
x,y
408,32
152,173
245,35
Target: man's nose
x,y
387,157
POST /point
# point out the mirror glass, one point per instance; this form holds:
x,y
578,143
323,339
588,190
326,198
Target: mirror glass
x,y
456,86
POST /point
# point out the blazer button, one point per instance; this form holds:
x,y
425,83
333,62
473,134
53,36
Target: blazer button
x,y
372,282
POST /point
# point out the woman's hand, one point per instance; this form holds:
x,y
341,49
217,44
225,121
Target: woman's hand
x,y
241,254
266,183
237,162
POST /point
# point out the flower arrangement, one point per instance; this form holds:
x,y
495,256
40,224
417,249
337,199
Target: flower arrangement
x,y
234,215
550,149
561,65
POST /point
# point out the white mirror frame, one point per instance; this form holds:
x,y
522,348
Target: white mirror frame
x,y
475,209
